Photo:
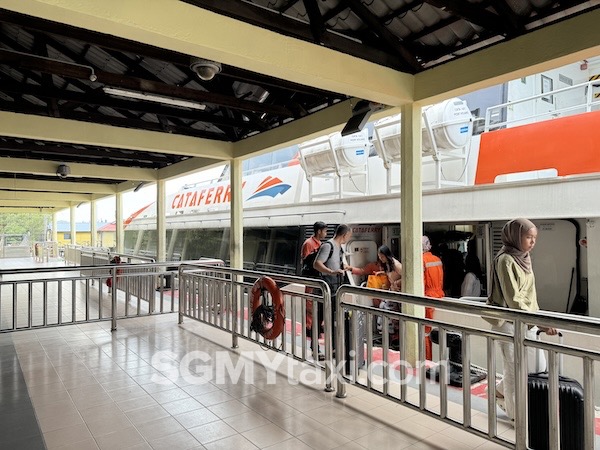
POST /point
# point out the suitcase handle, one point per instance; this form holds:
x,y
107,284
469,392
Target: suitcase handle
x,y
560,355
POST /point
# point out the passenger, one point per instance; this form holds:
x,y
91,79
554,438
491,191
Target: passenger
x,y
392,267
330,262
513,286
433,274
471,285
309,251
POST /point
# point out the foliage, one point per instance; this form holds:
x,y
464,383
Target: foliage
x,y
32,224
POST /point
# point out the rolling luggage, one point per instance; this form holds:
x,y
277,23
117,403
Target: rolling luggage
x,y
570,397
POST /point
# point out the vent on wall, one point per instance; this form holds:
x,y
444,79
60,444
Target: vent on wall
x,y
566,80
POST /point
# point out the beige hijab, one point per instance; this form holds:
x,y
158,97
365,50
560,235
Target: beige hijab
x,y
511,238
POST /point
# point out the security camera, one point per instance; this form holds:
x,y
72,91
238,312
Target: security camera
x,y
63,171
204,68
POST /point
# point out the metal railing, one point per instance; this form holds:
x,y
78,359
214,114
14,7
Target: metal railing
x,y
221,297
557,103
392,379
72,295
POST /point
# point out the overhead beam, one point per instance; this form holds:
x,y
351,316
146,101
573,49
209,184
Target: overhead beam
x,y
85,133
78,170
39,204
187,167
228,41
36,197
553,46
300,130
27,210
56,186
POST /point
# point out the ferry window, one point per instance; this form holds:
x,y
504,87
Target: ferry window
x,y
547,86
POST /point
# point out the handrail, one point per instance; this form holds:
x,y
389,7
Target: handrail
x,y
199,283
589,103
346,302
55,296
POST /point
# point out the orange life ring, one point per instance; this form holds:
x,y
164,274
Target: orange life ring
x,y
258,295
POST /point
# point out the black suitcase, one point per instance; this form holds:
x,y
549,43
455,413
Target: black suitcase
x,y
570,398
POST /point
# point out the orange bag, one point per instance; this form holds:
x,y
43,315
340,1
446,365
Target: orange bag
x,y
378,282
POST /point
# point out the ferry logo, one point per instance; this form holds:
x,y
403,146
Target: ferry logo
x,y
270,187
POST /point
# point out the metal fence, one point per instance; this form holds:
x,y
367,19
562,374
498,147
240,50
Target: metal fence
x,y
73,295
409,385
221,297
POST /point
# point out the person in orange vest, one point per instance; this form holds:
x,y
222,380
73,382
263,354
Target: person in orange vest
x,y
433,273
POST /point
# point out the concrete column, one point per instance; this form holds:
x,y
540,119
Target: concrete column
x,y
73,226
161,229
93,225
593,265
236,234
411,227
119,222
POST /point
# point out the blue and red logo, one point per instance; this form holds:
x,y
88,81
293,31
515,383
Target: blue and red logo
x,y
270,187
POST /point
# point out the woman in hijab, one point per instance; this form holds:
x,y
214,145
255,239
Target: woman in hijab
x,y
513,286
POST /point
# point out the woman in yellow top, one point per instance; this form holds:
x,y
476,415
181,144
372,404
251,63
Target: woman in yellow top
x,y
513,286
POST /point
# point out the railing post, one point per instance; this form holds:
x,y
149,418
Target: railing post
x,y
236,301
182,295
520,385
113,291
328,327
340,349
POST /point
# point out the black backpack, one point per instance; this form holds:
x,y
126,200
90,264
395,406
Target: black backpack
x,y
307,263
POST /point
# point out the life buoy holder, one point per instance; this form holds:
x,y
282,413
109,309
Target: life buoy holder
x,y
274,326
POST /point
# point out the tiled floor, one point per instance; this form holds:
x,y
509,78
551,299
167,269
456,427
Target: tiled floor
x,y
140,388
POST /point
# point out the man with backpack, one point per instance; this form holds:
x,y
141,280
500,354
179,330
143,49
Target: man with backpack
x,y
308,253
330,261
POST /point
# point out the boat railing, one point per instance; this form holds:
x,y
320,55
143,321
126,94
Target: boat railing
x,y
404,379
549,105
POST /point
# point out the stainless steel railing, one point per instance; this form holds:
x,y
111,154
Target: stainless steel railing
x,y
71,295
393,380
221,297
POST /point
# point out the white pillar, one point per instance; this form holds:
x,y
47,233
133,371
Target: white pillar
x,y
73,226
119,221
236,234
93,224
54,227
593,265
411,227
161,229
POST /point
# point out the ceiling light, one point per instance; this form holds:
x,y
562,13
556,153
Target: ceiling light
x,y
153,98
205,68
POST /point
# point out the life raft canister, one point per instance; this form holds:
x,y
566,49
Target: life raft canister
x,y
268,320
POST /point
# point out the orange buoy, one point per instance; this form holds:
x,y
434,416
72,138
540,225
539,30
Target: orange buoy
x,y
267,320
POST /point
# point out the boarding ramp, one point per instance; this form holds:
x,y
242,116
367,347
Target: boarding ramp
x,y
221,297
386,374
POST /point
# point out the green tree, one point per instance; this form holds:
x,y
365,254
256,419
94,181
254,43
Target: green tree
x,y
32,224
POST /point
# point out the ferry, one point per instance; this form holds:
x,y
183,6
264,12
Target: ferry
x,y
531,154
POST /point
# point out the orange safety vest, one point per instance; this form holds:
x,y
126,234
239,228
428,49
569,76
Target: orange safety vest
x,y
433,272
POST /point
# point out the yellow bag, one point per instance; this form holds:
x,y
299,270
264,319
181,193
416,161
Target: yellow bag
x,y
378,282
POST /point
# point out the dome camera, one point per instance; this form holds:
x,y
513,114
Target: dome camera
x,y
204,68
63,171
